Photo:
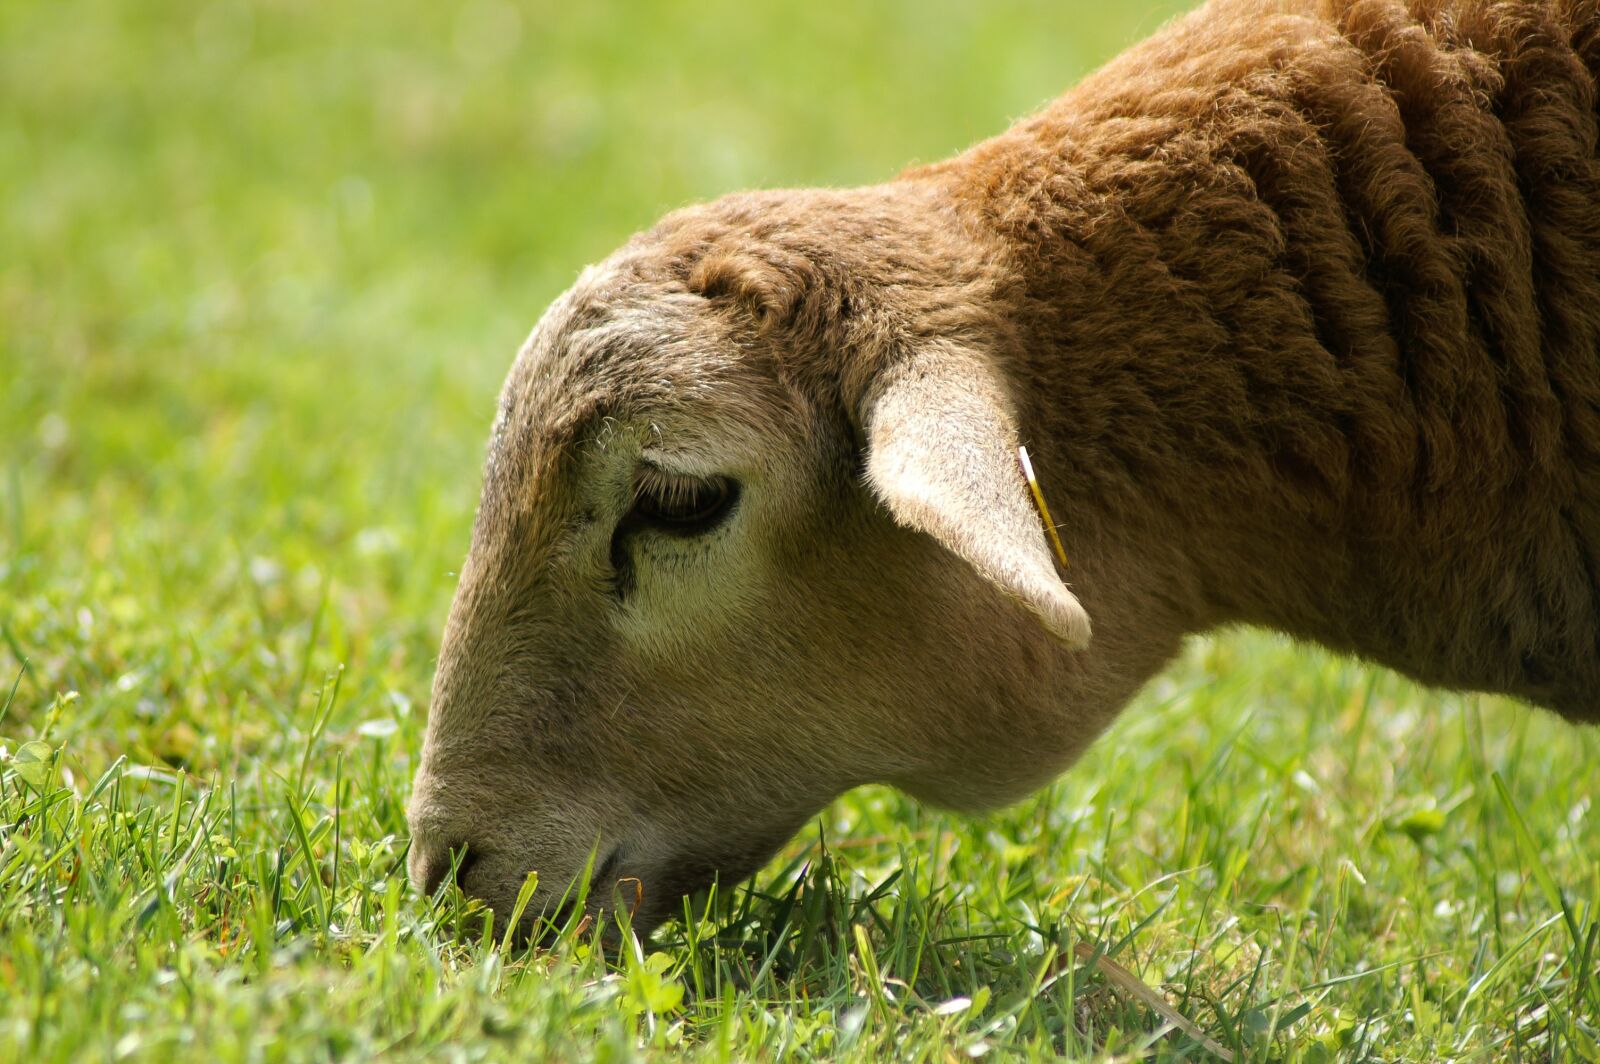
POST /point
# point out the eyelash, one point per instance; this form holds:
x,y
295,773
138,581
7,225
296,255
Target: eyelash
x,y
680,504
672,504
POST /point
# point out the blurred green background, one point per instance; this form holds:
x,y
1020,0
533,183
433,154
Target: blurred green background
x,y
265,264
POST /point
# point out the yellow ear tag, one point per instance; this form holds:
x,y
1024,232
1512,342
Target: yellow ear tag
x,y
1044,511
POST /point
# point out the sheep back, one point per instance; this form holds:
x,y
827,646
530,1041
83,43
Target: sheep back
x,y
1331,272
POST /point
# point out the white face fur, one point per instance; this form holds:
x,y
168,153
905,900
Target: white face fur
x,y
623,566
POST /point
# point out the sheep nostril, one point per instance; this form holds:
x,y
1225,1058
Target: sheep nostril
x,y
465,861
428,872
432,867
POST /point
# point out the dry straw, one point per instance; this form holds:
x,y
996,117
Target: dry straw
x,y
1044,511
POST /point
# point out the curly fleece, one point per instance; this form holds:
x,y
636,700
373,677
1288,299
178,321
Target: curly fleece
x,y
1338,264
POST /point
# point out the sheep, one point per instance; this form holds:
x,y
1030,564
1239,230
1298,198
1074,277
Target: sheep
x,y
1296,307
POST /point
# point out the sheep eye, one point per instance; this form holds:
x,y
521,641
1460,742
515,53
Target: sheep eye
x,y
680,504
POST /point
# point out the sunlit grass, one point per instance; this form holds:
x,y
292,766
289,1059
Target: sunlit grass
x,y
263,268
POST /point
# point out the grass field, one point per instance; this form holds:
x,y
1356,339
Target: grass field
x,y
261,270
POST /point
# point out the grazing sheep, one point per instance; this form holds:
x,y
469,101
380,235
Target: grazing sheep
x,y
1296,306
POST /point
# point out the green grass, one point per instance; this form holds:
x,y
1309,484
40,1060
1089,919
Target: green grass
x,y
263,267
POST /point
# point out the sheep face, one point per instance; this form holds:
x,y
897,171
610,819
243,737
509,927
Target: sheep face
x,y
688,619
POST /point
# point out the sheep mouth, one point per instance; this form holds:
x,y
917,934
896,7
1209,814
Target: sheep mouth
x,y
543,928
691,875
649,899
606,868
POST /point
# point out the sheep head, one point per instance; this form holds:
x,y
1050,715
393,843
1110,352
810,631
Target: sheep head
x,y
752,533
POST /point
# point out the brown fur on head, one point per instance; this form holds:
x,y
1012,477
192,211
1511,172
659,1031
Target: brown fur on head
x,y
1296,307
681,703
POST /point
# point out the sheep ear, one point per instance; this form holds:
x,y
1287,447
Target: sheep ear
x,y
942,456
